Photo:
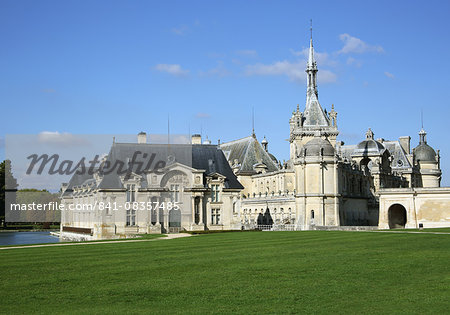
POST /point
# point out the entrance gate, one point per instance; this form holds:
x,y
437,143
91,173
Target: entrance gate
x,y
397,216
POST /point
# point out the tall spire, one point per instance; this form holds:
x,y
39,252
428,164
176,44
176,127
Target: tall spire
x,y
311,70
314,114
311,61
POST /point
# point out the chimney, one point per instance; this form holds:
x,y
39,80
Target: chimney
x,y
196,139
405,143
142,137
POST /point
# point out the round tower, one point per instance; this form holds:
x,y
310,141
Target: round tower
x,y
427,163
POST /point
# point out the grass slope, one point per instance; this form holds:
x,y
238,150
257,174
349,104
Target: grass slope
x,y
261,272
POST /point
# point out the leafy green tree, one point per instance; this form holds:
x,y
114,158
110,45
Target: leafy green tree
x,y
8,186
43,197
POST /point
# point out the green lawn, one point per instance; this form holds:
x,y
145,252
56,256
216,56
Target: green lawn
x,y
260,272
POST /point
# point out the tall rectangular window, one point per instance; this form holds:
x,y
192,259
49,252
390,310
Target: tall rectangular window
x,y
131,193
214,193
175,193
215,216
131,217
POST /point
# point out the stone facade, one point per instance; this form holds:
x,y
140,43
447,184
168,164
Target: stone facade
x,y
194,191
412,207
240,185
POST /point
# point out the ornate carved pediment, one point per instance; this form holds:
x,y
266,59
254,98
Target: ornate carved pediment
x,y
175,177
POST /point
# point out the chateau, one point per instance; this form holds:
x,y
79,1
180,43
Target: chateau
x,y
240,185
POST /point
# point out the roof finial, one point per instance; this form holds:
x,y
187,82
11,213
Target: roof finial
x,y
311,29
421,116
369,134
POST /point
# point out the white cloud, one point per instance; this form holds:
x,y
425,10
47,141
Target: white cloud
x,y
356,45
247,53
172,69
321,58
389,75
294,71
60,139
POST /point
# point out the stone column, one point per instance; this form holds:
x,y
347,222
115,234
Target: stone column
x,y
157,212
166,220
208,213
193,209
337,218
200,211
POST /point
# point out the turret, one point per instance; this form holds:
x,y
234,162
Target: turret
x,y
427,162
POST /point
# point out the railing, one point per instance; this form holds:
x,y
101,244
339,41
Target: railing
x,y
286,227
278,227
265,227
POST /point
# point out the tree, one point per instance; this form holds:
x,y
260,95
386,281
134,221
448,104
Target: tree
x,y
8,186
41,197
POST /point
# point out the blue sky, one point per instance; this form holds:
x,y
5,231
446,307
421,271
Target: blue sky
x,y
120,67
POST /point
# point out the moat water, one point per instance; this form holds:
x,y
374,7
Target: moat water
x,y
20,238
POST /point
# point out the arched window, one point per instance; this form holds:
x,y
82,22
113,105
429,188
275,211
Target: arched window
x,y
312,214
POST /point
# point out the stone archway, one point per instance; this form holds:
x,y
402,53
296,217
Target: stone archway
x,y
397,216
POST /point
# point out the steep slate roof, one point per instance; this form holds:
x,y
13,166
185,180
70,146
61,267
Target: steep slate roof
x,y
394,148
203,157
77,180
248,152
314,114
396,151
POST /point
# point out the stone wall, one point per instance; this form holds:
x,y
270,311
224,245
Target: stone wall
x,y
427,206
